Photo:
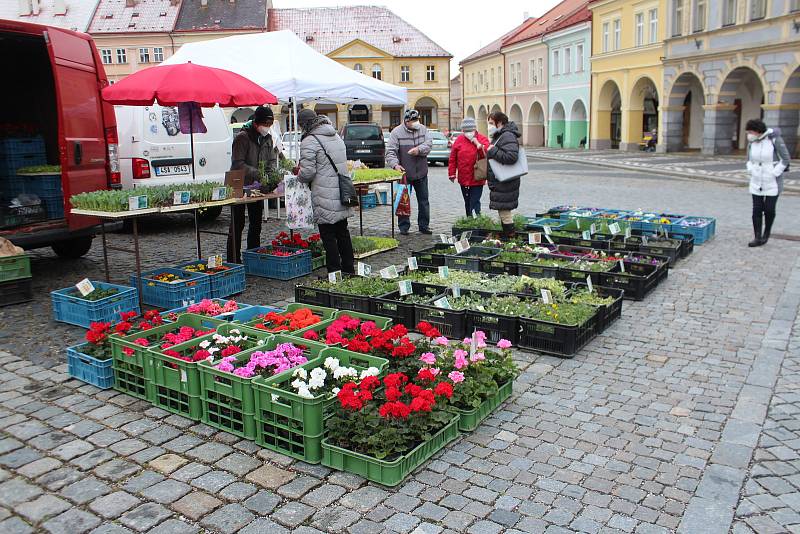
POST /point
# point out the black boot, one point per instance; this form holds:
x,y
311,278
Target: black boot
x,y
757,242
508,231
769,219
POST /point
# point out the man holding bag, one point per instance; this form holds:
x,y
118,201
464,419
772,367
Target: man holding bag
x,y
407,151
468,165
323,157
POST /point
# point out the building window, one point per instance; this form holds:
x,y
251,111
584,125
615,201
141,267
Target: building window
x,y
105,56
377,72
758,9
579,58
405,73
617,34
122,56
480,81
144,55
567,60
486,80
605,37
556,64
358,68
729,9
653,20
794,5
699,18
474,85
491,84
430,73
677,17
639,23
532,72
540,70
158,54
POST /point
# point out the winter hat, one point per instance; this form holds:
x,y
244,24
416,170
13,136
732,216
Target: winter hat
x,y
305,117
411,115
468,124
263,114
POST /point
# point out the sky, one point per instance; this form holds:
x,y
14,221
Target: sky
x,y
459,26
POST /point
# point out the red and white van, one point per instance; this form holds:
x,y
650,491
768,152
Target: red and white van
x,y
53,80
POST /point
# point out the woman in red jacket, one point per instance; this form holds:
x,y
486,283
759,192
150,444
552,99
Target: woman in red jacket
x,y
468,148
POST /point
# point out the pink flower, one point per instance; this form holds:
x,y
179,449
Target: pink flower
x,y
428,358
477,357
435,371
480,338
456,376
504,344
441,340
461,359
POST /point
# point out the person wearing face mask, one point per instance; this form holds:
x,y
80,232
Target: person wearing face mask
x,y
407,151
465,152
503,196
253,147
767,160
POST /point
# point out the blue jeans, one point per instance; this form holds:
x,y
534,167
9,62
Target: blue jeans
x,y
419,188
472,199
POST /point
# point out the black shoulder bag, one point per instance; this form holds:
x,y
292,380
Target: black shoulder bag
x,y
347,192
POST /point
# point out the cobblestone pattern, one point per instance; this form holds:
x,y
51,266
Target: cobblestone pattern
x,y
618,439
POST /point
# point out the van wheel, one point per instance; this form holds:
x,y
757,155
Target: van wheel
x,y
210,214
73,248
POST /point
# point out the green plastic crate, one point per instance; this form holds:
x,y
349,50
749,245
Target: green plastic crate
x,y
293,425
381,322
388,473
470,419
229,401
175,384
15,267
325,313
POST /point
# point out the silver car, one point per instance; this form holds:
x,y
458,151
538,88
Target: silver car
x,y
440,153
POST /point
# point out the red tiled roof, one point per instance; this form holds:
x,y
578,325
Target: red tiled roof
x,y
555,16
327,29
113,16
582,15
495,45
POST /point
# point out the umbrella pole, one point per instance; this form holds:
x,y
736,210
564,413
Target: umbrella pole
x,y
191,153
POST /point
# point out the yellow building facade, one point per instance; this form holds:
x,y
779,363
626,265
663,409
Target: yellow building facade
x,y
627,71
483,84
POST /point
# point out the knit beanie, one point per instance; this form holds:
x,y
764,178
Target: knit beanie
x,y
468,124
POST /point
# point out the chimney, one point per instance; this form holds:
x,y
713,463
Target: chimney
x,y
35,7
24,8
203,3
60,7
526,15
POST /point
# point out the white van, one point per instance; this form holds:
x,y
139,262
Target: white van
x,y
152,151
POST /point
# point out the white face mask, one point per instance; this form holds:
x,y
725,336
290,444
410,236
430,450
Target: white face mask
x,y
492,129
469,135
263,130
752,137
414,125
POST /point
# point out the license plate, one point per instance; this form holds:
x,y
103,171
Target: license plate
x,y
171,170
366,151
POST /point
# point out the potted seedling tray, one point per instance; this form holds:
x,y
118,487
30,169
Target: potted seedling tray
x,y
312,295
555,338
470,259
187,288
293,425
401,308
69,306
431,256
494,325
608,313
224,283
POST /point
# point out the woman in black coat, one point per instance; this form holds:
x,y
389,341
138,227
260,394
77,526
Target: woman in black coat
x,y
503,196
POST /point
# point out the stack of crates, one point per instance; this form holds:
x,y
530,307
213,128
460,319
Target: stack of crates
x,y
15,279
18,152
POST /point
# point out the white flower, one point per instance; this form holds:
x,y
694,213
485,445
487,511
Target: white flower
x,y
372,371
236,331
297,384
212,350
316,383
343,372
318,373
305,393
205,344
300,372
331,363
335,391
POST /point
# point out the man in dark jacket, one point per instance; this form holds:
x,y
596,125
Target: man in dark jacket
x,y
503,196
407,151
254,151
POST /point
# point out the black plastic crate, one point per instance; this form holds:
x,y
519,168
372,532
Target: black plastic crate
x,y
401,312
496,266
346,301
431,256
15,216
16,292
537,271
552,338
636,286
687,244
607,313
496,327
476,232
312,295
451,323
470,260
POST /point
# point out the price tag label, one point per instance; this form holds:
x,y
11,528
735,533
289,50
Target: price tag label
x,y
466,235
85,286
413,265
593,229
184,378
456,291
181,197
462,246
621,266
547,297
666,232
219,193
644,239
335,277
389,272
363,269
586,234
613,228
534,238
405,287
546,229
549,239
214,261
444,238
589,283
627,232
442,303
473,345
138,202
444,272
452,240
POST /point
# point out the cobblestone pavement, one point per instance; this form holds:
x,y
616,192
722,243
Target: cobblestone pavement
x,y
681,417
729,169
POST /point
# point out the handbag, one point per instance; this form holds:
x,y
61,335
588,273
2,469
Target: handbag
x,y
403,202
299,209
481,168
347,191
503,173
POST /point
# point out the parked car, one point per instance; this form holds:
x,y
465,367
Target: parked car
x,y
291,145
440,152
365,142
454,134
55,115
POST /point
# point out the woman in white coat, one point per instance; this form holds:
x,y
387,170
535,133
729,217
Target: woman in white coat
x,y
767,160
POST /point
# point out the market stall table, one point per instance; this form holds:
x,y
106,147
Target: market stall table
x,y
363,187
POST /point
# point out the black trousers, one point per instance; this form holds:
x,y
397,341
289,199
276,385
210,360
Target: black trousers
x,y
255,212
338,247
763,208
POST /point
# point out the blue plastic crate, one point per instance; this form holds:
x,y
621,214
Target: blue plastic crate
x,y
251,312
221,302
42,184
11,162
277,267
225,283
53,206
384,197
22,145
194,288
89,369
369,201
701,234
535,223
71,309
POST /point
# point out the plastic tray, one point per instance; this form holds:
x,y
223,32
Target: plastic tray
x,y
277,267
470,419
15,267
553,338
89,369
193,289
71,309
224,283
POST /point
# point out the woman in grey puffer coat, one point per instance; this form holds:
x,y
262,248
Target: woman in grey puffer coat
x,y
316,170
504,148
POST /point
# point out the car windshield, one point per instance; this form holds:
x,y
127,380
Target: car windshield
x,y
438,135
362,133
290,136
